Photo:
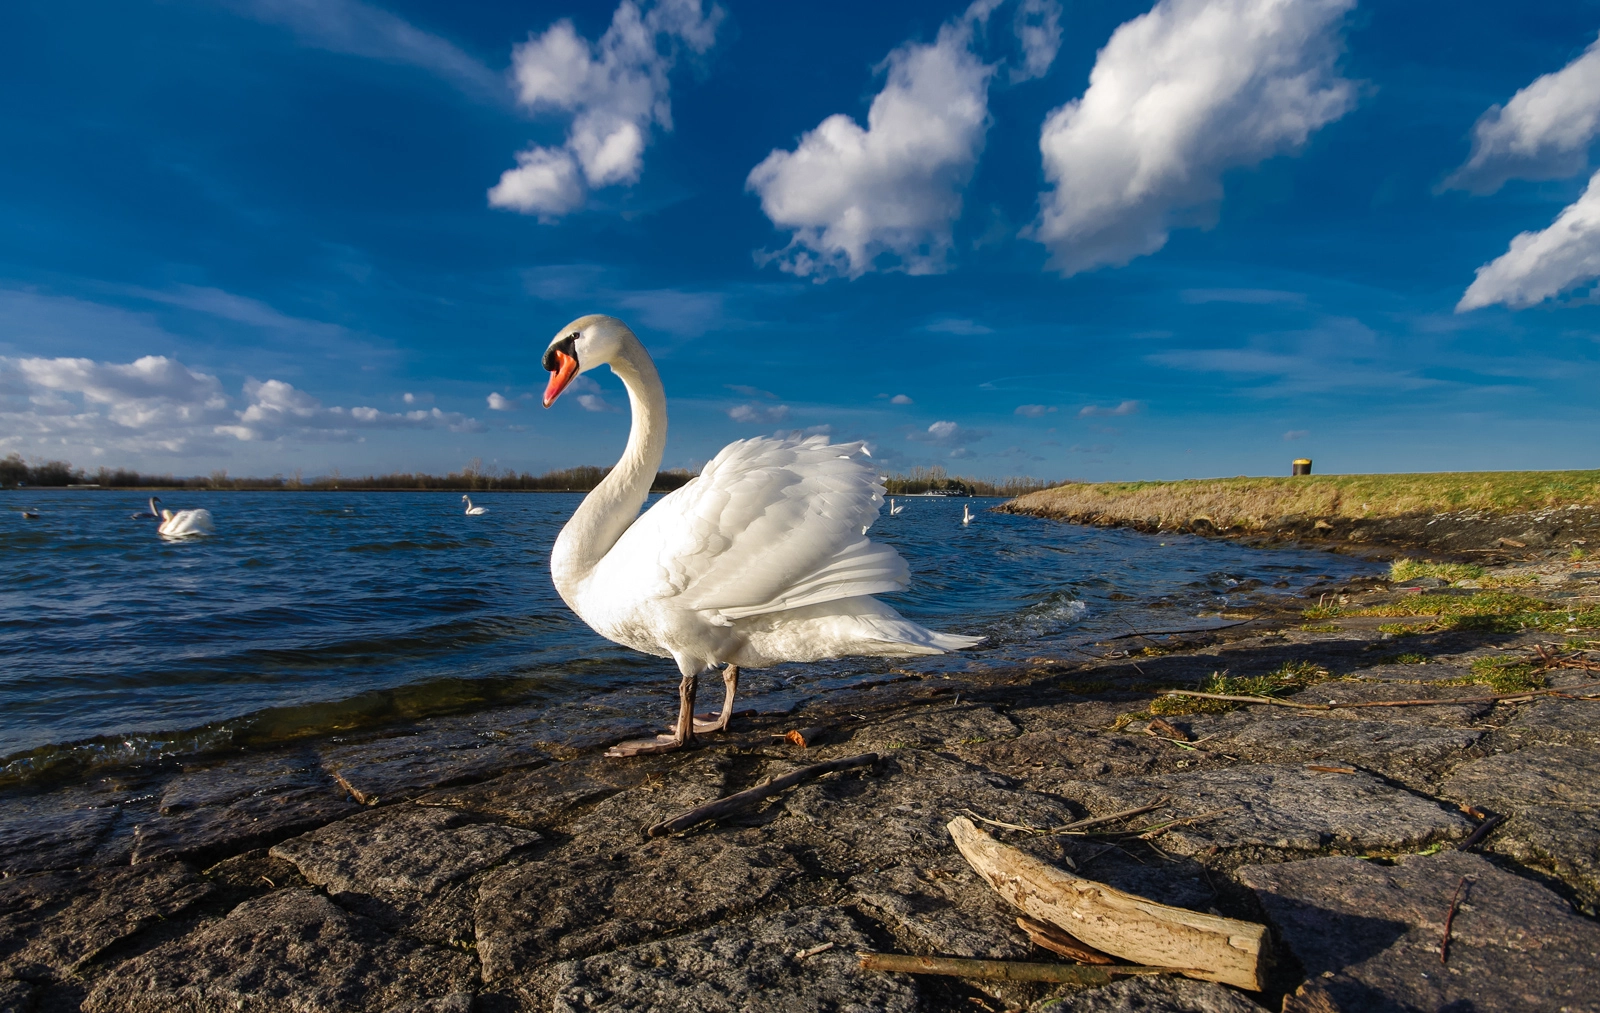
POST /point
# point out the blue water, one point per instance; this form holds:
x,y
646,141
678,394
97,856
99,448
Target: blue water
x,y
312,613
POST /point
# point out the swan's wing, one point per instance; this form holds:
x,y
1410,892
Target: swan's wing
x,y
770,524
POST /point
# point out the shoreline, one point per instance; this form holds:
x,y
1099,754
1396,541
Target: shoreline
x,y
466,862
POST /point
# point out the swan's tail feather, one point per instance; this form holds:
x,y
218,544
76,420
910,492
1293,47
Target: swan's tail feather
x,y
916,639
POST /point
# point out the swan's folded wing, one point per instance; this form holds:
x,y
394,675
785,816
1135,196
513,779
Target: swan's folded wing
x,y
769,525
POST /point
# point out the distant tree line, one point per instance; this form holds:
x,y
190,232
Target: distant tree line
x,y
14,471
922,481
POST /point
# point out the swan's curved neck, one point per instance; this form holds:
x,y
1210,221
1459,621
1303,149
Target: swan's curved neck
x,y
614,504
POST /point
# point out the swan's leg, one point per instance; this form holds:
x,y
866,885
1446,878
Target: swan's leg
x,y
730,682
682,733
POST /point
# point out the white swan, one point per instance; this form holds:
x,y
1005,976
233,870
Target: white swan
x,y
31,515
473,511
760,560
966,514
185,523
894,511
152,515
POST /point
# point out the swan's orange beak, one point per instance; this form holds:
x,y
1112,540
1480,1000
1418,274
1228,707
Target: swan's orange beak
x,y
566,369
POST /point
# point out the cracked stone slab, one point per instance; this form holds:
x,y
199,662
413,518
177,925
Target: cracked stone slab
x,y
1281,807
407,852
571,904
942,911
53,923
1549,793
1083,753
16,996
38,834
289,950
248,776
546,796
1404,751
1370,934
1554,722
1153,995
933,728
389,769
1340,691
729,968
208,833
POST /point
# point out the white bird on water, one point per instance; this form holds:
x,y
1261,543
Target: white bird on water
x,y
186,523
966,514
473,511
894,511
31,515
760,560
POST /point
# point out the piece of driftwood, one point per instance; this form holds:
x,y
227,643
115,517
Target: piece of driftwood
x,y
1310,997
1057,941
805,738
1166,730
753,796
1449,920
1122,924
1000,970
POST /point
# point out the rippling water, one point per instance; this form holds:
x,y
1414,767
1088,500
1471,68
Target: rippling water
x,y
316,612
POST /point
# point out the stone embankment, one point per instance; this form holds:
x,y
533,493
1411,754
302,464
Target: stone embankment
x,y
463,864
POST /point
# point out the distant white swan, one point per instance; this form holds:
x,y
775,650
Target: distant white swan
x,y
185,523
473,511
31,515
966,514
894,511
761,559
153,515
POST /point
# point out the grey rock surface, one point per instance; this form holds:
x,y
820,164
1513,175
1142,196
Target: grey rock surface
x,y
1552,795
387,770
293,950
1153,995
1280,807
959,724
730,968
1376,929
1553,722
1411,753
52,923
407,851
37,835
208,832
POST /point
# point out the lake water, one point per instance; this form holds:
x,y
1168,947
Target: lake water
x,y
312,613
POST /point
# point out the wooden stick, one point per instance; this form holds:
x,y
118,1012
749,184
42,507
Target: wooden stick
x,y
1497,698
1068,828
752,796
805,738
999,970
1449,920
1056,941
1490,821
1122,924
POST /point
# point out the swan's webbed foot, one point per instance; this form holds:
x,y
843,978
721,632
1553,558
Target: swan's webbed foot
x,y
730,682
646,747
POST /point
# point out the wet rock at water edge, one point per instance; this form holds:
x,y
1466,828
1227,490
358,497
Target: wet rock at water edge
x,y
1371,934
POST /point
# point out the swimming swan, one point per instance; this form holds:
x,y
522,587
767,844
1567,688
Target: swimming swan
x,y
186,523
473,511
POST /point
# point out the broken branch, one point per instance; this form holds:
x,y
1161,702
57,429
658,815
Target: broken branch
x,y
999,970
753,796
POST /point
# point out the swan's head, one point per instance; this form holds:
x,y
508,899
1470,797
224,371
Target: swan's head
x,y
580,346
166,515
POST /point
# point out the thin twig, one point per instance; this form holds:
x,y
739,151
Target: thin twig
x,y
1172,633
1002,970
753,796
1490,821
1095,821
1449,920
1565,691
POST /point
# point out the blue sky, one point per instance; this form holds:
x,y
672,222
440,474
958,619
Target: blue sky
x,y
1088,240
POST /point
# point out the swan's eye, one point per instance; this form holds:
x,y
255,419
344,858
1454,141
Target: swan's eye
x,y
567,345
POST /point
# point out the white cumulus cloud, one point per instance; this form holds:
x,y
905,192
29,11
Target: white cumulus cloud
x,y
1178,96
901,399
500,403
1125,408
157,404
1543,264
1038,28
1544,132
885,197
1034,411
616,92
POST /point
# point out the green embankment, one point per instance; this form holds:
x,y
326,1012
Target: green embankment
x,y
1255,503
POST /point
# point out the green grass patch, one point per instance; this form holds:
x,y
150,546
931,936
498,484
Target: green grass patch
x,y
1321,627
1289,677
1503,673
1483,612
1322,612
1410,569
1410,659
1402,629
1484,603
1509,580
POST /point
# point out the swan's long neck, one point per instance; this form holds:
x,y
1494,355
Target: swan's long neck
x,y
614,504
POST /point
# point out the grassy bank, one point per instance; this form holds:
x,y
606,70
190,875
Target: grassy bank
x,y
1257,503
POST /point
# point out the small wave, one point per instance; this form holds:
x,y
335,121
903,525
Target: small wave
x,y
1055,613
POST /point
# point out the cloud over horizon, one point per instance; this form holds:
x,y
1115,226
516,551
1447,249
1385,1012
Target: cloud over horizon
x,y
1178,96
886,198
1543,264
616,90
